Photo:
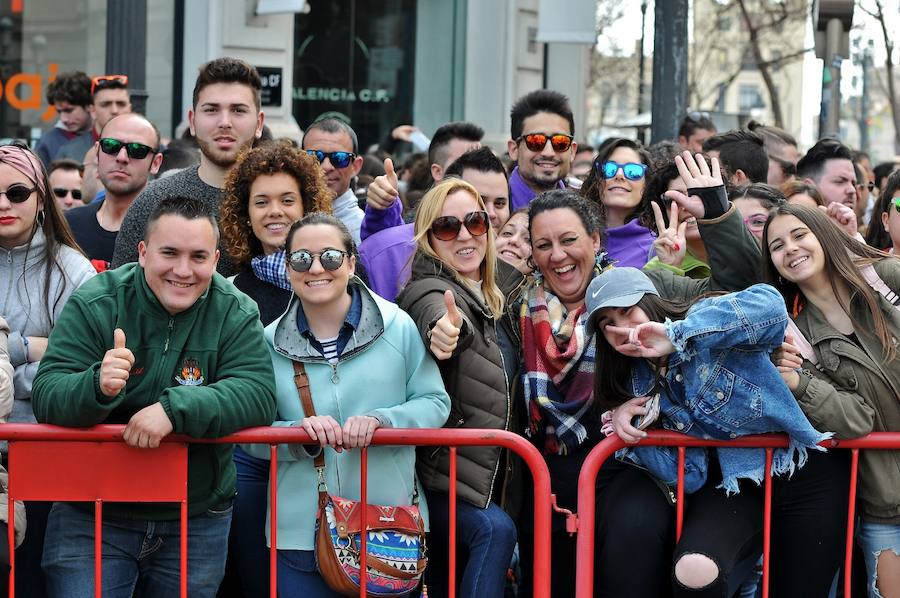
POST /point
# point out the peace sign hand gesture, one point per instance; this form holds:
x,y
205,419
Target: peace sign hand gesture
x,y
670,244
707,198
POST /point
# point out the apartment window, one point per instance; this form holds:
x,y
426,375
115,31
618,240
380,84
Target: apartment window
x,y
749,98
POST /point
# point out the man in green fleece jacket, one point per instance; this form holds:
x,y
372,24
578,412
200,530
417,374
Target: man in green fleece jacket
x,y
164,346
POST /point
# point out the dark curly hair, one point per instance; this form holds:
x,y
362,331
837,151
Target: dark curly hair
x,y
73,87
271,158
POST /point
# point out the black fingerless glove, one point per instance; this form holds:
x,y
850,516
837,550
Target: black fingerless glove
x,y
715,200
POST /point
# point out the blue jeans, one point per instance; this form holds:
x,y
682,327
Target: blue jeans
x,y
138,555
247,542
485,540
298,577
875,538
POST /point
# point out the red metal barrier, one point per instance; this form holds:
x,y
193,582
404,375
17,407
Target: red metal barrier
x,y
106,483
586,517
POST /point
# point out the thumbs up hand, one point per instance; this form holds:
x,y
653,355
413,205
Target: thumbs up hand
x,y
383,191
116,366
445,333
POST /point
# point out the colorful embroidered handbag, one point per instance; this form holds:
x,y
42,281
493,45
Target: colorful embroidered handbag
x,y
395,535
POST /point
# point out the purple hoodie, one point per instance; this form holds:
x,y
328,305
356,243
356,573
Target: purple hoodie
x,y
629,244
386,249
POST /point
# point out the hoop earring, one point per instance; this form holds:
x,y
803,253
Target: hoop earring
x,y
40,218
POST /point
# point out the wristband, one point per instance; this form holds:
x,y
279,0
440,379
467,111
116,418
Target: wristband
x,y
25,342
715,200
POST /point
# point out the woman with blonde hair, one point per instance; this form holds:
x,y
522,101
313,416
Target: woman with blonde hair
x,y
458,295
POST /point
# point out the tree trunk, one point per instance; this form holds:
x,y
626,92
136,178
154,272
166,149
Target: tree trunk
x,y
889,71
762,65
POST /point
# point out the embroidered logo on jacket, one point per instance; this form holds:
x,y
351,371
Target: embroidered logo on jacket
x,y
190,373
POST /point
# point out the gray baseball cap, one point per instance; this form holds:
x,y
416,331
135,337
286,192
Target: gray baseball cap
x,y
616,287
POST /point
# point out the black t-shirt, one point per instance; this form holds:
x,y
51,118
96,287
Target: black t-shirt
x,y
97,242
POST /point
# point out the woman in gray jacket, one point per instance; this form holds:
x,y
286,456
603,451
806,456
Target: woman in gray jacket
x,y
42,267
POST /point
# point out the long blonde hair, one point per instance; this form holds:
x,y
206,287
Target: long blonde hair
x,y
429,210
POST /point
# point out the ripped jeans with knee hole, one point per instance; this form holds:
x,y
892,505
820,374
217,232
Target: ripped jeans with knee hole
x,y
874,539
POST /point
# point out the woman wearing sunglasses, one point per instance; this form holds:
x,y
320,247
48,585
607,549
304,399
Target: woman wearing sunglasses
x,y
884,228
44,266
367,369
843,369
458,294
635,517
616,185
269,188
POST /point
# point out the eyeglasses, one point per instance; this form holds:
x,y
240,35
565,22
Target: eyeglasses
x,y
17,193
895,201
135,150
697,116
632,170
302,260
536,142
757,222
870,185
61,192
337,159
446,228
108,81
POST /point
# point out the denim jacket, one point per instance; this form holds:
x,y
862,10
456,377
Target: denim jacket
x,y
721,384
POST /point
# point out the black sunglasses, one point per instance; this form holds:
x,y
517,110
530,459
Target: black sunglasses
x,y
61,192
135,150
446,228
17,193
536,142
338,159
302,259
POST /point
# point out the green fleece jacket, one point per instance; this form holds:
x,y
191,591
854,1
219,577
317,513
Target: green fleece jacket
x,y
208,366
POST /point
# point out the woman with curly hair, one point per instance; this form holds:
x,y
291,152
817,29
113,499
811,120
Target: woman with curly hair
x,y
268,189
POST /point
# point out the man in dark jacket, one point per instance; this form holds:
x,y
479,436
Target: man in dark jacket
x,y
165,346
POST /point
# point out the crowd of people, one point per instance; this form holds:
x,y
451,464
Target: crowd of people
x,y
720,284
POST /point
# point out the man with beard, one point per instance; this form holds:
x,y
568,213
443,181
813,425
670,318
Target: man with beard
x,y
128,153
225,119
542,130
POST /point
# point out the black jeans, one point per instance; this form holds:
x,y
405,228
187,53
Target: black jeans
x,y
634,538
809,518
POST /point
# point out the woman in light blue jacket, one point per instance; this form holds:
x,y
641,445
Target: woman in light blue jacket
x,y
707,368
367,369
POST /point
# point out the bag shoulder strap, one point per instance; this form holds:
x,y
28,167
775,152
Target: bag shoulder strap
x,y
871,276
806,348
301,381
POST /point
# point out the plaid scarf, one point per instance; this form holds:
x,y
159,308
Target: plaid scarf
x,y
559,369
272,269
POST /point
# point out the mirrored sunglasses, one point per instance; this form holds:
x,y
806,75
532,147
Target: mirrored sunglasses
x,y
446,228
61,192
895,201
631,170
337,159
17,193
536,142
135,150
302,260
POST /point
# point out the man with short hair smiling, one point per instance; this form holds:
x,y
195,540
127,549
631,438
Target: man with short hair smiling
x,y
70,95
109,99
334,144
542,128
128,153
829,166
225,120
165,346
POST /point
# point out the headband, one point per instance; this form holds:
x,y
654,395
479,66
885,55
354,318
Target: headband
x,y
25,162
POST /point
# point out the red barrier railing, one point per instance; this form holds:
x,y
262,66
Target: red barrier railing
x,y
160,475
586,517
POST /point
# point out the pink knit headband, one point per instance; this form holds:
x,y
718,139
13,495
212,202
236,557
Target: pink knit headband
x,y
25,162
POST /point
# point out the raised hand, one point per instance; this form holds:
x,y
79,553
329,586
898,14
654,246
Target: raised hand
x,y
383,191
644,340
445,333
670,244
116,366
696,174
843,216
